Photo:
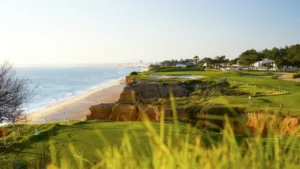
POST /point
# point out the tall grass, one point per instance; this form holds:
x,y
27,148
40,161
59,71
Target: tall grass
x,y
190,149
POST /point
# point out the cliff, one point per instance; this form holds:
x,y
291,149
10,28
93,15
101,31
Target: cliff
x,y
139,96
132,102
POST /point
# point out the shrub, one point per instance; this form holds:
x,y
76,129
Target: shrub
x,y
191,66
297,75
152,67
200,67
238,73
134,73
224,83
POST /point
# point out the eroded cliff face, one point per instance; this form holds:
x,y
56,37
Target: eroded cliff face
x,y
256,124
262,124
2,132
101,111
136,93
130,104
124,112
152,112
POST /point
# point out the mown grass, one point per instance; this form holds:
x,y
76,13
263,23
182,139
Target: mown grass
x,y
265,91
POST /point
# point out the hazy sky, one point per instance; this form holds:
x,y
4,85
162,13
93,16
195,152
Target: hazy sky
x,y
110,31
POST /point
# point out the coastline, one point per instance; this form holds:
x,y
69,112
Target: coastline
x,y
76,108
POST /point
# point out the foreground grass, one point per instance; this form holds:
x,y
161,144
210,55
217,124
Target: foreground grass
x,y
146,144
85,137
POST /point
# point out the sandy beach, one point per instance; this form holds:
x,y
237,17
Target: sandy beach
x,y
77,107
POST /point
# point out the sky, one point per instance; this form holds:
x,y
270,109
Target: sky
x,y
44,32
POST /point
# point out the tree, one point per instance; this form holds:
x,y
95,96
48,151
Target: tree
x,y
196,58
233,61
152,67
208,61
293,54
275,54
167,63
249,57
13,94
284,56
188,62
218,60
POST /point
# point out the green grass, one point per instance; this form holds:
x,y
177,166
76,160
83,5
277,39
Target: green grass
x,y
23,132
86,137
149,145
266,92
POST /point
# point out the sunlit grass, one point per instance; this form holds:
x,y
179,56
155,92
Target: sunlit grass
x,y
189,151
265,91
156,145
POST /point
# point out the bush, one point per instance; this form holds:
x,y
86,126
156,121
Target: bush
x,y
200,67
152,67
297,75
134,73
191,66
238,73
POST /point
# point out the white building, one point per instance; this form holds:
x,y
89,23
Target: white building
x,y
265,64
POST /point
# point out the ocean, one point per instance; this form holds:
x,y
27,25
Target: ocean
x,y
56,84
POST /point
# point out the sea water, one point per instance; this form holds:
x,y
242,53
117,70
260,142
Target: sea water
x,y
56,84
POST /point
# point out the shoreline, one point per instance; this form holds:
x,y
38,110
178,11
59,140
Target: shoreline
x,y
77,107
94,88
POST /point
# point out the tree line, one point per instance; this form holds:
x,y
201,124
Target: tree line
x,y
283,56
212,62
